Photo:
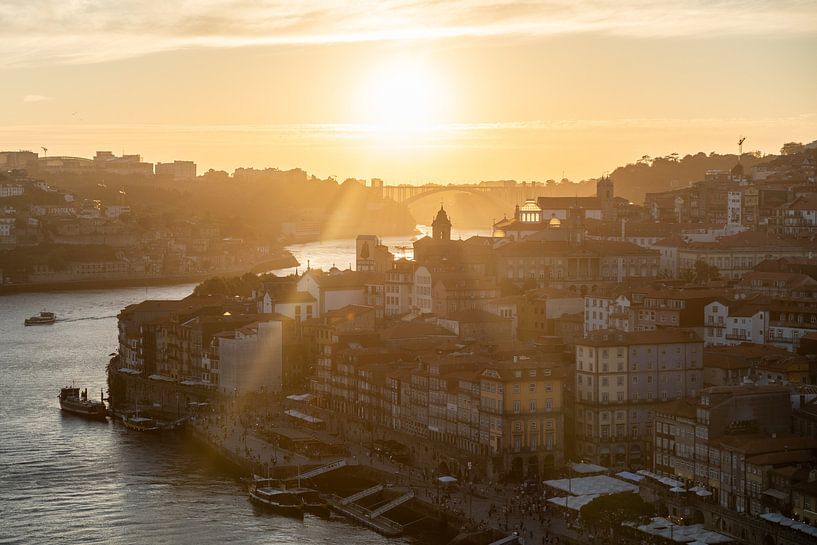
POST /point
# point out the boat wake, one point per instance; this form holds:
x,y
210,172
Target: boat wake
x,y
86,318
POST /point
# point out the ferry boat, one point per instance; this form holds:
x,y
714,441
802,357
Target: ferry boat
x,y
280,500
76,402
44,318
140,423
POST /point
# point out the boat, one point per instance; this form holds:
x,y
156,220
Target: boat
x,y
312,500
276,499
44,318
76,402
139,423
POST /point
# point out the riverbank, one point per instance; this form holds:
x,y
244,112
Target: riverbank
x,y
284,262
477,513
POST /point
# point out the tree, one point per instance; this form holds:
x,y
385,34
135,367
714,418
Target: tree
x,y
613,509
791,148
704,272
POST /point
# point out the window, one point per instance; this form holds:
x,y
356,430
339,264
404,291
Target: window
x,y
515,388
533,405
532,387
517,406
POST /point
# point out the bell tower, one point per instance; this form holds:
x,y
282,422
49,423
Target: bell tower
x,y
441,226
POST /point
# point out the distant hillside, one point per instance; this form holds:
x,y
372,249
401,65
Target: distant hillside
x,y
648,174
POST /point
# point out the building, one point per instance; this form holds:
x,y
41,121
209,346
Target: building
x,y
797,218
399,288
760,320
541,309
582,266
620,377
717,439
251,358
736,255
177,170
522,416
371,255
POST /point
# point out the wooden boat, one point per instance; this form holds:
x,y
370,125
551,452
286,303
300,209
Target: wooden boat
x,y
75,402
44,318
276,499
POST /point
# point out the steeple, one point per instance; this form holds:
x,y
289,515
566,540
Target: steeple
x,y
441,226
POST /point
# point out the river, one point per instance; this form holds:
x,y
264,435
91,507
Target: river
x,y
67,480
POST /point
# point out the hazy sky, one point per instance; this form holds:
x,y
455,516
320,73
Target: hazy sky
x,y
408,91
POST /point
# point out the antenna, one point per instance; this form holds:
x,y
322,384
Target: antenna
x,y
45,151
740,147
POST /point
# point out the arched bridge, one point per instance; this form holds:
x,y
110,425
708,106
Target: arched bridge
x,y
506,194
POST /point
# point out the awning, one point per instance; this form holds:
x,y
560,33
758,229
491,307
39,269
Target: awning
x,y
300,397
302,416
775,493
627,476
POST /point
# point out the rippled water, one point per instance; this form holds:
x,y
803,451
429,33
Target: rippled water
x,y
64,479
67,480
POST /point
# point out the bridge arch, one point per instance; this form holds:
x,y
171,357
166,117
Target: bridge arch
x,y
472,190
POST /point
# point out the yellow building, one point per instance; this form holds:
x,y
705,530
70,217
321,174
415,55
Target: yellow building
x,y
521,416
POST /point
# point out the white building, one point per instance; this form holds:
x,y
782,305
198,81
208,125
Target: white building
x,y
251,358
423,301
297,305
335,289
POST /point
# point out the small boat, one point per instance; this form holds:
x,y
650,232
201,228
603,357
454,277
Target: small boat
x,y
312,500
140,423
76,402
279,500
44,318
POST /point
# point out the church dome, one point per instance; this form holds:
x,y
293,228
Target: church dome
x,y
442,216
555,222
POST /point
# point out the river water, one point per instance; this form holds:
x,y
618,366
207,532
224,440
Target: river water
x,y
67,480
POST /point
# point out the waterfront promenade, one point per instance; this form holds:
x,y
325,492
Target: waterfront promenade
x,y
479,505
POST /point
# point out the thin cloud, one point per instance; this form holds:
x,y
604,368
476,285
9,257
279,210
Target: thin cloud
x,y
42,31
36,98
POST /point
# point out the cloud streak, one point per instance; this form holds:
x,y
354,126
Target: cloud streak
x,y
36,98
87,31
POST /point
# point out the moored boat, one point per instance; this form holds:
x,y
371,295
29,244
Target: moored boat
x,y
140,423
312,500
44,318
279,500
76,402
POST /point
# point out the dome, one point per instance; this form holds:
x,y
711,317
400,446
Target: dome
x,y
555,222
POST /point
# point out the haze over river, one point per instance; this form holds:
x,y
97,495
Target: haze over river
x,y
66,480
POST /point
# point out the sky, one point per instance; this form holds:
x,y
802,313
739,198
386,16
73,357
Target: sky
x,y
404,90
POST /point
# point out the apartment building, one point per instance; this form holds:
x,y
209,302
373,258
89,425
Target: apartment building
x,y
620,378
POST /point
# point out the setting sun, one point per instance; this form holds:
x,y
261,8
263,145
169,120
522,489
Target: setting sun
x,y
401,96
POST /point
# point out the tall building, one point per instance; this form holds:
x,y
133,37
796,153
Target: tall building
x,y
620,378
177,170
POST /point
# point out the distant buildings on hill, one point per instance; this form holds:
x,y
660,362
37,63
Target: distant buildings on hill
x,y
103,161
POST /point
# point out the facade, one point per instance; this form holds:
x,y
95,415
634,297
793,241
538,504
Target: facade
x,y
251,358
177,170
371,255
760,320
399,287
711,440
620,377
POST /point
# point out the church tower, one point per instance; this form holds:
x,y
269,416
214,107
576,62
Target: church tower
x,y
441,226
604,193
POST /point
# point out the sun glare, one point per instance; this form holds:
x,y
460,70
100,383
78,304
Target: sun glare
x,y
403,96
